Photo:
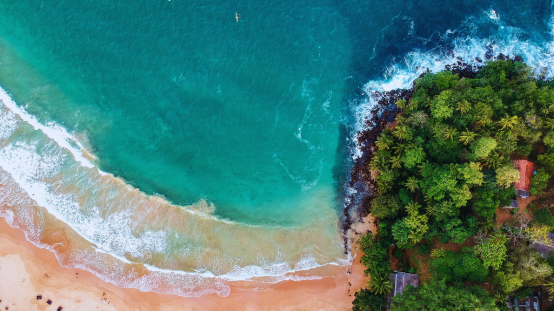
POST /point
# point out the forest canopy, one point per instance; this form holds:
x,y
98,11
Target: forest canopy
x,y
444,167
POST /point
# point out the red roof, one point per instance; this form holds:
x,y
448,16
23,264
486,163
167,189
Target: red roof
x,y
525,169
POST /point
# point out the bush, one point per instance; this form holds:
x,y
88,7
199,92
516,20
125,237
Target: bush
x,y
424,249
544,217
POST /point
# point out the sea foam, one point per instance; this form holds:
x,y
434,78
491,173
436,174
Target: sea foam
x,y
134,240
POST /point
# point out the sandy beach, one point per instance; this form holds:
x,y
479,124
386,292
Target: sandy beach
x,y
27,271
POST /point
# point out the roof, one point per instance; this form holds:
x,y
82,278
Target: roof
x,y
525,169
402,279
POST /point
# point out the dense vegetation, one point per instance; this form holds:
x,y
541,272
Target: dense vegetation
x,y
442,171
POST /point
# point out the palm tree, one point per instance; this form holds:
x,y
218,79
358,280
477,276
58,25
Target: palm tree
x,y
467,137
500,297
421,166
401,103
549,124
438,253
412,184
378,163
464,106
493,160
484,121
449,133
508,122
429,211
395,161
401,132
412,207
427,198
398,149
549,285
380,284
383,142
412,105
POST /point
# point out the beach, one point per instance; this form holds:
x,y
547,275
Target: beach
x,y
27,271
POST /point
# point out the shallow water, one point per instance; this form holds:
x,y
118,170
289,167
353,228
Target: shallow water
x,y
167,147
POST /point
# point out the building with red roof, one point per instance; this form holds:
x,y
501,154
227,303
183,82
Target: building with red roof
x,y
526,170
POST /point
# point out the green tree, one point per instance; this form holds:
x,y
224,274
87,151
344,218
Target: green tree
x,y
413,156
492,250
459,232
384,142
548,139
385,206
483,146
445,209
505,176
464,106
395,161
418,227
375,257
532,267
449,133
412,183
402,132
441,107
508,122
547,160
380,284
437,296
385,180
539,181
401,232
486,201
507,279
367,301
467,137
544,217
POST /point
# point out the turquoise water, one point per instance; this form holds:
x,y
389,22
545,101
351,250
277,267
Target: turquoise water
x,y
181,100
164,146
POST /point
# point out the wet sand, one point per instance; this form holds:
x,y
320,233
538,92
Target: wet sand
x,y
27,271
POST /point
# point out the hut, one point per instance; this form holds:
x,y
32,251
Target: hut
x,y
403,279
525,169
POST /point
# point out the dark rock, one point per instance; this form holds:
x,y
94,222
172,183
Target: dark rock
x,y
479,60
459,58
518,58
501,56
488,55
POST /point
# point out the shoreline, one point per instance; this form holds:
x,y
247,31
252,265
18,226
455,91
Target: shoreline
x,y
73,288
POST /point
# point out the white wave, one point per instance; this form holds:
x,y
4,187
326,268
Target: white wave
x,y
34,167
52,130
403,73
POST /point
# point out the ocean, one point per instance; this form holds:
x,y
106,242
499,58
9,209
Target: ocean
x,y
177,146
